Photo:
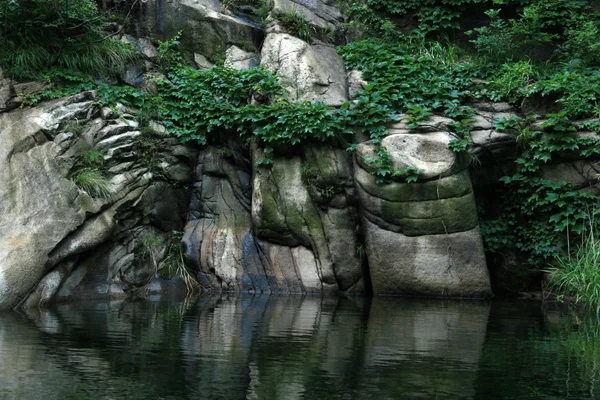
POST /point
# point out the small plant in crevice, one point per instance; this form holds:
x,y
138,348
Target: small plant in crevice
x,y
93,182
149,151
93,158
295,24
459,145
74,127
361,251
312,179
173,264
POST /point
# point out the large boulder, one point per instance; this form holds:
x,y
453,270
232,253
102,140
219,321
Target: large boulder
x,y
321,14
207,27
308,205
307,72
219,218
421,238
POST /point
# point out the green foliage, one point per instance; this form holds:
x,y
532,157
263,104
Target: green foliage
x,y
431,17
197,103
173,263
74,127
295,24
168,53
414,83
513,80
92,181
578,91
39,34
93,158
576,272
537,213
458,145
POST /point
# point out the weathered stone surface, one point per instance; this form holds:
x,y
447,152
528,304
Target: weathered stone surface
x,y
294,207
52,229
421,238
133,75
276,232
207,29
536,104
6,93
318,13
24,89
220,220
307,72
145,46
445,265
427,151
426,217
237,58
435,123
38,204
202,62
282,211
580,173
452,186
356,84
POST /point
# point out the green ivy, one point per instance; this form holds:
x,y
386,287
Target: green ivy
x,y
537,213
413,84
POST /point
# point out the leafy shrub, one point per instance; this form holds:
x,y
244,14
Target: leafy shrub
x,y
537,213
513,80
404,81
544,30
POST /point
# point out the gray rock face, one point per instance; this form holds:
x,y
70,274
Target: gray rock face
x,y
422,238
307,72
442,265
303,225
6,92
51,228
207,27
237,58
318,13
273,230
305,206
494,152
38,205
219,219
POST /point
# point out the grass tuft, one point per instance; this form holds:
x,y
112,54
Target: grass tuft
x,y
577,272
93,182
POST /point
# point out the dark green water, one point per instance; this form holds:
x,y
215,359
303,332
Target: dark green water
x,y
299,348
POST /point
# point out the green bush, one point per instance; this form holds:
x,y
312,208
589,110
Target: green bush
x,y
36,35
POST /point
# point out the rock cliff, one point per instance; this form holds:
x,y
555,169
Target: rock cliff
x,y
315,221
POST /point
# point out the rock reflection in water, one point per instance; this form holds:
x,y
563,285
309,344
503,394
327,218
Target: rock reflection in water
x,y
245,347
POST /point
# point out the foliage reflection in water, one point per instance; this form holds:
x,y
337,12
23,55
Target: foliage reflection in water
x,y
262,347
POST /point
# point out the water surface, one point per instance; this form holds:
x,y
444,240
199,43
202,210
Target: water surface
x,y
291,347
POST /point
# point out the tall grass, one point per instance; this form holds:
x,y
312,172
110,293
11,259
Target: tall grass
x,y
577,272
36,35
